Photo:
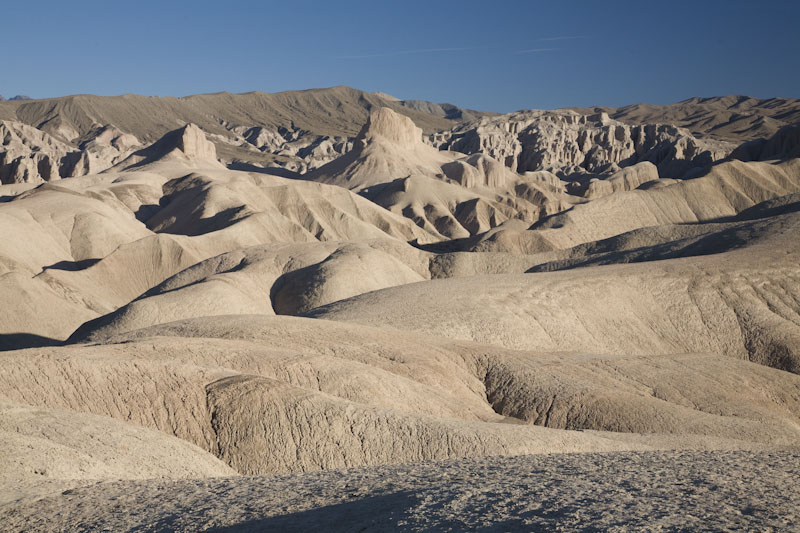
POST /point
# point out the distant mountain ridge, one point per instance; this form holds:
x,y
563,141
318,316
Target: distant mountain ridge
x,y
735,118
332,111
300,131
339,111
288,122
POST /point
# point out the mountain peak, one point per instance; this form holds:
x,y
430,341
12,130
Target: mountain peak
x,y
385,124
187,143
192,141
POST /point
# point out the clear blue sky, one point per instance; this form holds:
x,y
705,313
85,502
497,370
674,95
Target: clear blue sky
x,y
497,56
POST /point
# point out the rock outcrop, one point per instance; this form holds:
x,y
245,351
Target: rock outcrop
x,y
572,144
626,179
194,145
389,146
173,317
735,118
309,151
187,144
724,191
445,193
29,155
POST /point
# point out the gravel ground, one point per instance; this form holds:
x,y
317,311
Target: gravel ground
x,y
650,491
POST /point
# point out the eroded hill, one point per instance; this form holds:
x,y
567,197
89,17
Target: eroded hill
x,y
635,291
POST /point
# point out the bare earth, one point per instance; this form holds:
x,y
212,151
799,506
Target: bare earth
x,y
337,310
653,491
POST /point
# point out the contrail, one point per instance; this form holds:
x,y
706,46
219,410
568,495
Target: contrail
x,y
532,50
563,38
408,52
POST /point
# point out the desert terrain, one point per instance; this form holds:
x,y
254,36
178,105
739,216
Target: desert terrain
x,y
335,309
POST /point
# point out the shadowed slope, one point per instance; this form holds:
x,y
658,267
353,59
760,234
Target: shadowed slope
x,y
445,193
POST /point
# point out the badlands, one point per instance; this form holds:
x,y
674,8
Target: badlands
x,y
333,309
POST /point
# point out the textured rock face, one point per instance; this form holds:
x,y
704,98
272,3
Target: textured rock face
x,y
29,155
626,179
734,118
449,308
479,170
186,144
384,124
193,143
388,147
568,143
43,443
309,151
106,147
447,194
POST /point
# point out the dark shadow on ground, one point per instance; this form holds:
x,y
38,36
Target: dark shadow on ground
x,y
400,511
272,171
371,513
20,341
444,247
72,266
146,211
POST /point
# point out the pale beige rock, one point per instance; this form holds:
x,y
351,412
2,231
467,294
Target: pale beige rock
x,y
576,143
626,179
270,279
282,394
187,144
29,155
452,308
50,444
306,120
725,190
391,166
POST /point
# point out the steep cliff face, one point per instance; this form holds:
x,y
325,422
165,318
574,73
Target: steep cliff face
x,y
572,144
305,150
29,155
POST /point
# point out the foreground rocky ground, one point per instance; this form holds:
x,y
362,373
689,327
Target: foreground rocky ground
x,y
645,491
